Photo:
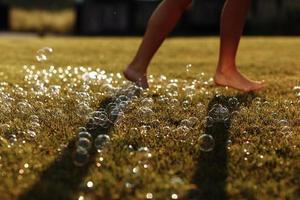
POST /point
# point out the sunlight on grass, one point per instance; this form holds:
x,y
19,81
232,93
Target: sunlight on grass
x,y
182,139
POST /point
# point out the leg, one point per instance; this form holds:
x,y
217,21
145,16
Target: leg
x,y
232,24
160,24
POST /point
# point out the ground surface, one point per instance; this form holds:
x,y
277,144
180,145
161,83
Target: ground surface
x,y
256,152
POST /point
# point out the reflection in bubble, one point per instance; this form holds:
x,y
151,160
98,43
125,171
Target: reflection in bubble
x,y
207,143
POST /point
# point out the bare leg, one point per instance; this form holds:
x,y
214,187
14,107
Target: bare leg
x,y
232,24
160,24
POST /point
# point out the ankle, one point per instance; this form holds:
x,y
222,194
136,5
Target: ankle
x,y
135,72
229,69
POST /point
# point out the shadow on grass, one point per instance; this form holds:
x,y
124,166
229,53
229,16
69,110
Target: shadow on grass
x,y
211,173
62,179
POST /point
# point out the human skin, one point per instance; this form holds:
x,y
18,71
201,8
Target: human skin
x,y
162,22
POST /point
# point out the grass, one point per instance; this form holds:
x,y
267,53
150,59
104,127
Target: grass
x,y
256,155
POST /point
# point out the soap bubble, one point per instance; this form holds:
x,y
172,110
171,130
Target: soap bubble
x,y
90,184
194,121
189,90
185,123
24,107
219,113
12,138
174,103
35,126
31,133
146,114
188,67
4,128
248,148
186,104
42,54
172,87
233,102
82,129
84,143
101,140
116,113
174,196
83,110
149,196
296,89
122,98
54,90
100,120
283,122
80,156
34,118
182,130
207,143
209,122
85,134
134,131
147,102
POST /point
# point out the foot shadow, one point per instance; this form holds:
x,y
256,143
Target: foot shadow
x,y
62,178
211,173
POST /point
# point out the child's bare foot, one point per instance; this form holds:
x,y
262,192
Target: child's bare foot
x,y
235,80
140,79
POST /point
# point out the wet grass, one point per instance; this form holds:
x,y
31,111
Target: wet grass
x,y
256,153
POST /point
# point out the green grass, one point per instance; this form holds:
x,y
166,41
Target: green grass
x,y
177,166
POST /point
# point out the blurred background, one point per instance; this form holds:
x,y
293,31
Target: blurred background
x,y
129,17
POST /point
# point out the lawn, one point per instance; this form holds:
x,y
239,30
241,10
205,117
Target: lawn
x,y
181,139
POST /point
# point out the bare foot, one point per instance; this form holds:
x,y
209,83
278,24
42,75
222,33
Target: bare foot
x,y
236,80
140,79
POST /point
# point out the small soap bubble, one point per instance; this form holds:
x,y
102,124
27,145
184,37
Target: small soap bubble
x,y
207,143
283,122
149,196
80,157
248,148
185,123
144,149
34,118
186,104
233,102
26,165
84,143
219,113
209,122
24,107
31,133
82,129
85,134
4,127
128,185
43,53
101,140
81,197
188,67
174,196
174,103
147,102
83,110
12,138
194,121
136,170
90,184
296,88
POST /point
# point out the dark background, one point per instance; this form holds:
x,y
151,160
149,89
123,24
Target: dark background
x,y
129,17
